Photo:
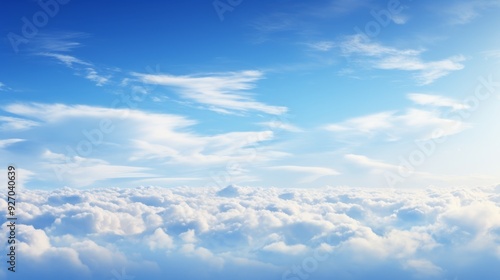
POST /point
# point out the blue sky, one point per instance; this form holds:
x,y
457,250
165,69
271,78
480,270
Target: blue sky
x,y
261,93
267,140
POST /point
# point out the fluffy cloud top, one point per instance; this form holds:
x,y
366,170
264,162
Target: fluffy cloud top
x,y
257,233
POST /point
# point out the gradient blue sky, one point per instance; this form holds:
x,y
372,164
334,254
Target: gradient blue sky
x,y
265,93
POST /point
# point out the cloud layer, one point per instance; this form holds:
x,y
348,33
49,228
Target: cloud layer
x,y
257,233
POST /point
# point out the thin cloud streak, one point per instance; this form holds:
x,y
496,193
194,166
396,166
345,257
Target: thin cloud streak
x,y
222,92
386,58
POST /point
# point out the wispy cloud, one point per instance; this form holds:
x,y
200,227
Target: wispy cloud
x,y
335,8
425,124
495,54
393,124
436,100
85,171
315,171
66,59
380,167
276,22
300,20
371,163
399,18
12,123
59,42
381,57
59,45
7,142
365,124
221,92
94,76
3,87
204,150
80,67
280,125
463,12
321,45
138,137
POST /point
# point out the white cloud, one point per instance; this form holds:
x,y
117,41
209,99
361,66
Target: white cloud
x,y
381,57
329,231
495,54
436,100
80,171
424,268
399,18
68,60
368,162
315,171
321,45
159,240
280,125
399,173
7,142
59,42
94,76
35,240
273,23
365,124
23,176
463,12
189,236
35,246
81,67
53,113
282,248
3,87
12,123
422,124
222,92
338,8
124,142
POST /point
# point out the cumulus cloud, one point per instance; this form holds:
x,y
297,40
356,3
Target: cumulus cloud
x,y
159,240
153,233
